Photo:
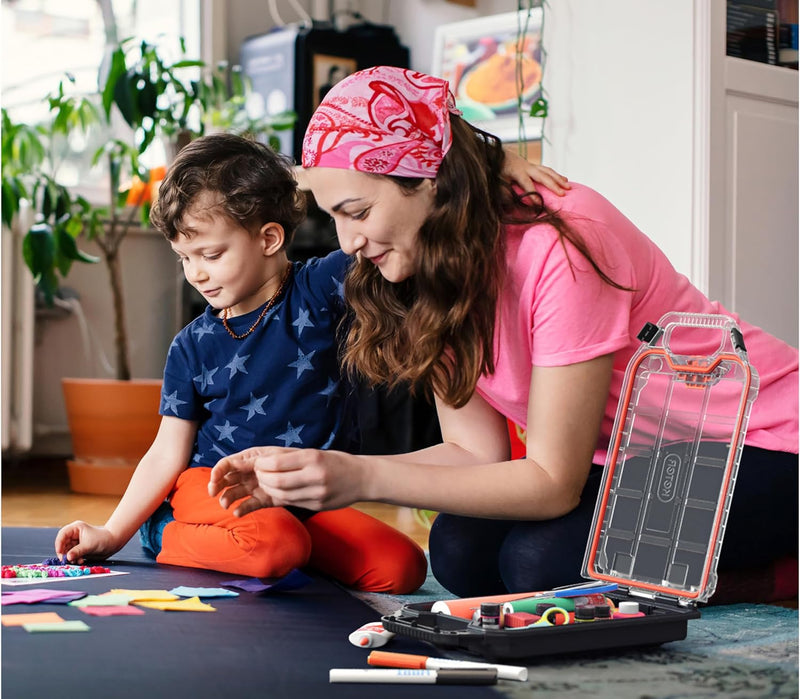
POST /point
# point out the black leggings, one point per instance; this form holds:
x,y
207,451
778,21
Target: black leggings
x,y
475,556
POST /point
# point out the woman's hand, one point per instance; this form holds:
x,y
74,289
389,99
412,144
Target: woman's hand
x,y
278,476
79,540
524,173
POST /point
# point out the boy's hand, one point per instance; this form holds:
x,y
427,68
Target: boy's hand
x,y
79,540
525,174
234,478
280,476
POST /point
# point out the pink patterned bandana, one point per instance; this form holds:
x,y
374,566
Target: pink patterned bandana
x,y
384,121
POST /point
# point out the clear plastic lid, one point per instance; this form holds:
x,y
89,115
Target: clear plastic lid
x,y
671,467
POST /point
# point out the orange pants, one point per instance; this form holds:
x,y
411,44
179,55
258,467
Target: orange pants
x,y
357,550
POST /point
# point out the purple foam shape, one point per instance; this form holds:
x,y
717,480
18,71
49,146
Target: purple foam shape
x,y
34,596
291,581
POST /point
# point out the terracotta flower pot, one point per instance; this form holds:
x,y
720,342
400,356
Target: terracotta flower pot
x,y
112,424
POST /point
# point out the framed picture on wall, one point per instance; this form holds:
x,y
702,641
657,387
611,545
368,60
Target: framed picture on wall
x,y
329,70
494,67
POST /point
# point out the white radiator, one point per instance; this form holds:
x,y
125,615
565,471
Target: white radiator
x,y
18,318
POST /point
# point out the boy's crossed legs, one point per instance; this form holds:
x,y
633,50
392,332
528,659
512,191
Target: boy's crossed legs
x,y
357,550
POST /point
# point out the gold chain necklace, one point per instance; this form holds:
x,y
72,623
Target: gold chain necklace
x,y
261,315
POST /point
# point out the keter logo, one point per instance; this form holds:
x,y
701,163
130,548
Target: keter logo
x,y
669,475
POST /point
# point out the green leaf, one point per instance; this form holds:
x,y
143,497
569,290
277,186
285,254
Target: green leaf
x,y
66,247
95,225
116,70
539,108
238,85
188,64
114,172
144,214
10,201
125,97
38,251
146,97
282,121
148,134
87,114
48,199
63,202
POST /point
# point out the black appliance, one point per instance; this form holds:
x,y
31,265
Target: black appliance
x,y
292,67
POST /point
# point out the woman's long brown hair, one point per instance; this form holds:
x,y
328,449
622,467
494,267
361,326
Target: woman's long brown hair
x,y
435,331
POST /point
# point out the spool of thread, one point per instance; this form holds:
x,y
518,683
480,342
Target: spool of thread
x,y
584,613
627,610
490,615
602,611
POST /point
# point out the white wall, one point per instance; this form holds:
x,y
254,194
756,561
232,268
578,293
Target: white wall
x,y
620,115
619,121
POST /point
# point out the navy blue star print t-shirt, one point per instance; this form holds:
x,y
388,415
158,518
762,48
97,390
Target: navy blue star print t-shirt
x,y
279,386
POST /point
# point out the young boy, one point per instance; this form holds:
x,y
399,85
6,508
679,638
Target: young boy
x,y
258,367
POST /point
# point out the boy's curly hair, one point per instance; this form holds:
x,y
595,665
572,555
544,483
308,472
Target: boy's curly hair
x,y
255,185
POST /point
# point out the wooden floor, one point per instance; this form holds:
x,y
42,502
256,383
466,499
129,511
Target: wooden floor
x,y
36,494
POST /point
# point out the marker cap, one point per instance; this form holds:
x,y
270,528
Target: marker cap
x,y
407,660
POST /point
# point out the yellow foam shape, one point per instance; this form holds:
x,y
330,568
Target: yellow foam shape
x,y
146,595
191,604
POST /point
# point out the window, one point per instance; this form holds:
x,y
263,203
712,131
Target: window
x,y
43,40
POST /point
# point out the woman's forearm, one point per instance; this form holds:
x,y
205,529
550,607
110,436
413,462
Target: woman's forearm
x,y
518,489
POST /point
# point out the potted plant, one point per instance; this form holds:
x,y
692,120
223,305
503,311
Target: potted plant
x,y
157,100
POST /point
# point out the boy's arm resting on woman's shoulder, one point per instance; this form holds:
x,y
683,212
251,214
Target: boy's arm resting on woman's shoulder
x,y
524,173
151,482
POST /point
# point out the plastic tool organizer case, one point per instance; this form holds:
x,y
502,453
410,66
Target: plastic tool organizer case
x,y
663,503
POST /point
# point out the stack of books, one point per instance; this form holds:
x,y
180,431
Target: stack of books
x,y
752,30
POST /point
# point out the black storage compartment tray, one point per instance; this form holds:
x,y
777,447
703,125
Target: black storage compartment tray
x,y
663,622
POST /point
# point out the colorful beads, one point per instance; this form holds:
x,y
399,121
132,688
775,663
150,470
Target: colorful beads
x,y
46,570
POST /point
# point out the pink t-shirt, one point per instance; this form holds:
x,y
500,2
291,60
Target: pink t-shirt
x,y
554,314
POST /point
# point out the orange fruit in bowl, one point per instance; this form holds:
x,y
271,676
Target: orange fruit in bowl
x,y
495,80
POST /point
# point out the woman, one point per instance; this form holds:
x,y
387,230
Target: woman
x,y
505,306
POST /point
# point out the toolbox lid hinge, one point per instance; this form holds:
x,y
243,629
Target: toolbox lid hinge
x,y
644,594
655,597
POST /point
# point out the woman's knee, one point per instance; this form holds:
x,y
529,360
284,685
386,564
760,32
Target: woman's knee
x,y
463,553
545,554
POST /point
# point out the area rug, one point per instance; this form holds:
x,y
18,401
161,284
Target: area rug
x,y
738,650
